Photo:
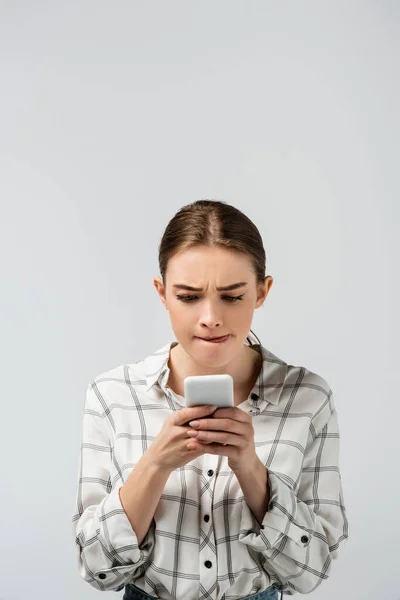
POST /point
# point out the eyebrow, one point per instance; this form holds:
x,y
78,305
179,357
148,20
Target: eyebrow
x,y
226,288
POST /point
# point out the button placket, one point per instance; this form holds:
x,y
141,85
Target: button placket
x,y
207,577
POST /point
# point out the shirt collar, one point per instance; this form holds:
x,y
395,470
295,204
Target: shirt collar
x,y
266,389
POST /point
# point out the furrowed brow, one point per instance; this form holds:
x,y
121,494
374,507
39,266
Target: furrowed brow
x,y
226,288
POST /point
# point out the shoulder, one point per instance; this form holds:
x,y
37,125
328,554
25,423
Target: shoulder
x,y
112,384
301,390
311,393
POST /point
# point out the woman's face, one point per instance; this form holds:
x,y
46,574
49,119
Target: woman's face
x,y
207,311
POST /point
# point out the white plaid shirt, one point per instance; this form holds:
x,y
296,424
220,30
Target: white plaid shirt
x,y
204,541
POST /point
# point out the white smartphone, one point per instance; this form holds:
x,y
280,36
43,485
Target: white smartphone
x,y
209,389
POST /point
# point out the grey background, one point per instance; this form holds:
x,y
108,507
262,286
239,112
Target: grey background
x,y
114,115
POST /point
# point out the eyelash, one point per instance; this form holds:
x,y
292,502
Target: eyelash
x,y
232,299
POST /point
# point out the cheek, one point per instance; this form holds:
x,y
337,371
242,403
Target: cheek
x,y
180,318
244,316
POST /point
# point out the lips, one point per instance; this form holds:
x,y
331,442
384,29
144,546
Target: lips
x,y
215,339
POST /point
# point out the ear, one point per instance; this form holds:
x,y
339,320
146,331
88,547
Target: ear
x,y
158,284
263,290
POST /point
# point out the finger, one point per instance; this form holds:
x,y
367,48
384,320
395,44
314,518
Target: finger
x,y
218,425
234,413
219,437
206,447
205,442
195,446
216,448
189,413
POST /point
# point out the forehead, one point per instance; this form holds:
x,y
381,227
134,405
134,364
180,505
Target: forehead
x,y
210,262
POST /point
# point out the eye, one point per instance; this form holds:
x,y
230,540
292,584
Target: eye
x,y
232,299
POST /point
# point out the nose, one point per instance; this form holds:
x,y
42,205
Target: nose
x,y
210,316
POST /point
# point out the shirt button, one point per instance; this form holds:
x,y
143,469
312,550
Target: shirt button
x,y
208,564
304,539
206,518
210,472
102,575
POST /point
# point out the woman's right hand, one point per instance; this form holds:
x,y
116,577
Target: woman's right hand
x,y
170,447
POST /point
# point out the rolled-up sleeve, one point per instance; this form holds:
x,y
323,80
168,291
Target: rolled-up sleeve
x,y
301,531
107,547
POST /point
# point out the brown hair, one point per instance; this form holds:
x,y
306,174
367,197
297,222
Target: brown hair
x,y
212,223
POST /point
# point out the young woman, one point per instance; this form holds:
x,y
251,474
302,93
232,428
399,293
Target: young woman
x,y
220,503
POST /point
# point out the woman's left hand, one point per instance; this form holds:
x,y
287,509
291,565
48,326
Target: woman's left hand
x,y
231,426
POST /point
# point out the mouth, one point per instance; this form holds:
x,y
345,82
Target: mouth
x,y
217,340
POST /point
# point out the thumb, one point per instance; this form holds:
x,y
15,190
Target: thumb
x,y
193,412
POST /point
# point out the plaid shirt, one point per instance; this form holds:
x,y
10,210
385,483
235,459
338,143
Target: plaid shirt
x,y
204,540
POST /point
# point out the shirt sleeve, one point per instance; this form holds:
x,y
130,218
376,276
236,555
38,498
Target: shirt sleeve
x,y
106,545
301,532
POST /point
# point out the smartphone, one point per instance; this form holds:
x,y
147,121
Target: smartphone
x,y
209,389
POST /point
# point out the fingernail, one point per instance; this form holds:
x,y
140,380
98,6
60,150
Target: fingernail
x,y
194,423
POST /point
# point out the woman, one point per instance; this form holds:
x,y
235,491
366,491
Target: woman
x,y
250,501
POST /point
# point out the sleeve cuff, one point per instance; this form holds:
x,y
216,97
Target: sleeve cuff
x,y
120,545
278,521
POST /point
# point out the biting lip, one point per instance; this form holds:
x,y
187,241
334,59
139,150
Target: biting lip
x,y
220,337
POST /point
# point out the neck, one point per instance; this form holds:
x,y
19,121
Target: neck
x,y
244,370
